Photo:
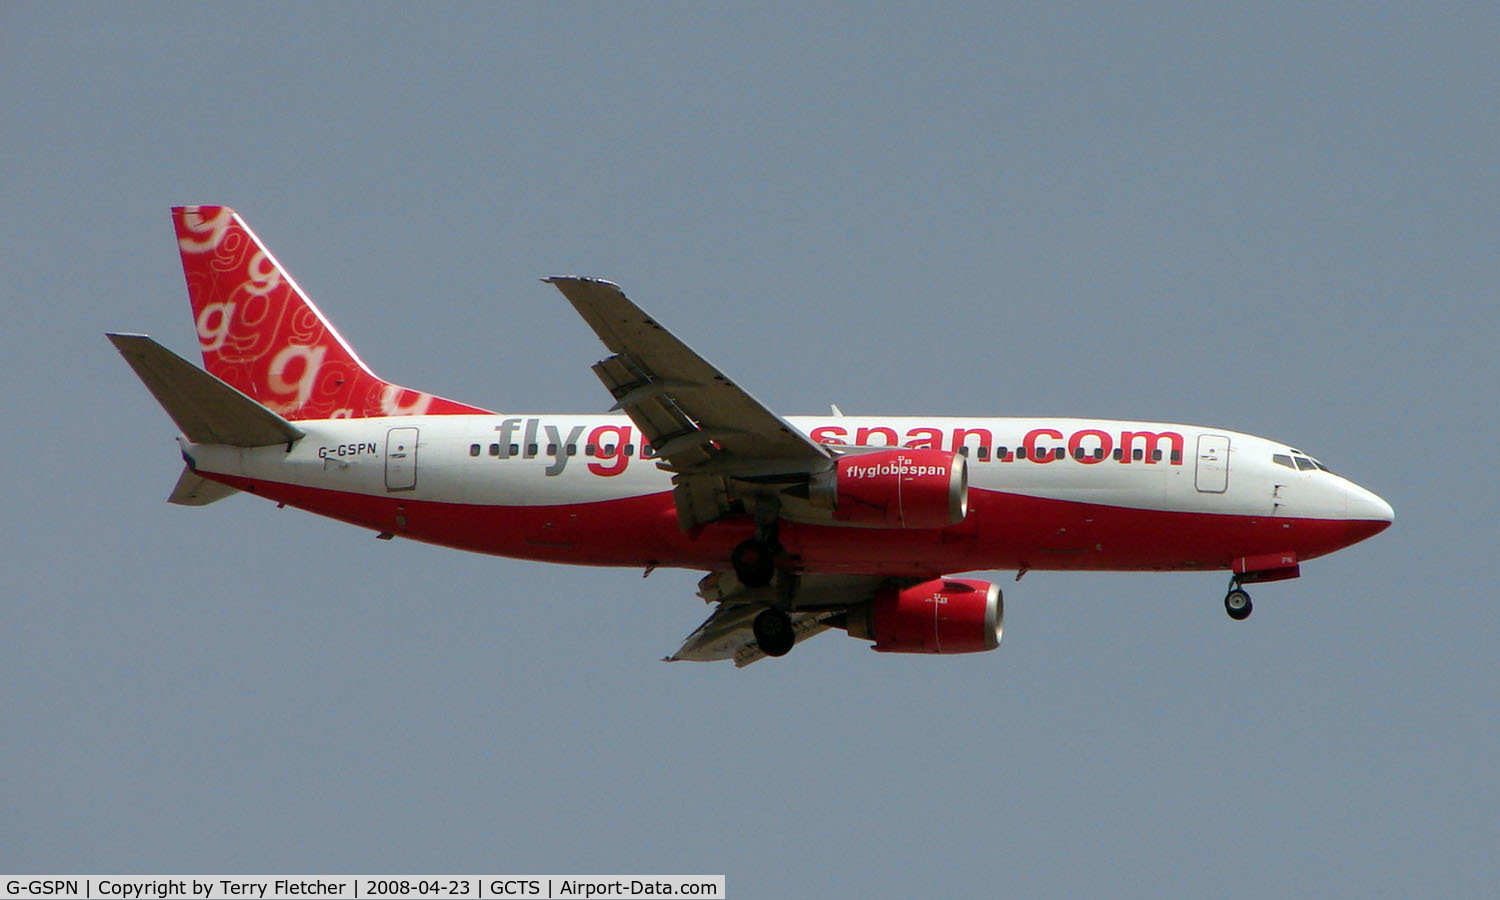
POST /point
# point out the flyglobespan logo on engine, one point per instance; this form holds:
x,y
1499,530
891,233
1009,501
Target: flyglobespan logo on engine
x,y
901,466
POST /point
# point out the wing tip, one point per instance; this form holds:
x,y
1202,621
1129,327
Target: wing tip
x,y
122,339
579,279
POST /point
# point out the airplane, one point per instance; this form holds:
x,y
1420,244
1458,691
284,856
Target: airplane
x,y
802,524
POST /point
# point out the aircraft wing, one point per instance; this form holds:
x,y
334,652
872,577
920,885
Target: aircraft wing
x,y
822,601
727,634
703,426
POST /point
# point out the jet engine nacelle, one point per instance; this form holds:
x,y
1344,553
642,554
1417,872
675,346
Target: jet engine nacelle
x,y
896,488
945,615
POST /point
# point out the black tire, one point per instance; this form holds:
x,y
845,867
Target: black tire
x,y
773,631
1237,604
754,563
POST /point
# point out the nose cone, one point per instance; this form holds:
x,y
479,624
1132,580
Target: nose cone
x,y
1367,513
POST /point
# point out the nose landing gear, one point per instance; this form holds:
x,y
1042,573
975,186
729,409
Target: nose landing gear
x,y
1237,602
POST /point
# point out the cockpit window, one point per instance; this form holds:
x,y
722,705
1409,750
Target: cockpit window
x,y
1303,462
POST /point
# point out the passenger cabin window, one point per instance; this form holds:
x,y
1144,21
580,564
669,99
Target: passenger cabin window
x,y
588,449
531,449
984,452
572,449
1119,453
1176,457
473,449
514,449
494,449
1059,453
1156,456
1281,459
1138,454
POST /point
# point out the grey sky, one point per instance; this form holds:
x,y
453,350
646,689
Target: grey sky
x,y
1280,221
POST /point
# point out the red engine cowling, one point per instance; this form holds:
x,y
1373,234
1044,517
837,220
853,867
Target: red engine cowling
x,y
945,615
897,488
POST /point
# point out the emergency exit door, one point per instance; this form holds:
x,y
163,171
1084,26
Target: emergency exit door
x,y
401,459
1213,464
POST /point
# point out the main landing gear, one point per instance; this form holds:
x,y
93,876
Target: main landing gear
x,y
773,632
1237,602
754,562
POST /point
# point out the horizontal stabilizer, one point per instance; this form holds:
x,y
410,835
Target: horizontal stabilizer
x,y
206,409
193,489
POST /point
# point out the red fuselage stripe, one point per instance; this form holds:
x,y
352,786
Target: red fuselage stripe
x,y
1002,531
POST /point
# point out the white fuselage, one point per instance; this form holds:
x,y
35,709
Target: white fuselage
x,y
587,463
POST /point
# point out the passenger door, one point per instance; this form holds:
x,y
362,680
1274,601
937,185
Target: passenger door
x,y
401,459
1213,464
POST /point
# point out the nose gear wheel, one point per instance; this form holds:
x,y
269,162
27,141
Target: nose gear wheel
x,y
1237,603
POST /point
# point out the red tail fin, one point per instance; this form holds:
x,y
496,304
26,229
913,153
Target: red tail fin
x,y
260,333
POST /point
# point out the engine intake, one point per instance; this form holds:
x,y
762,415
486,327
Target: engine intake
x,y
945,615
896,488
